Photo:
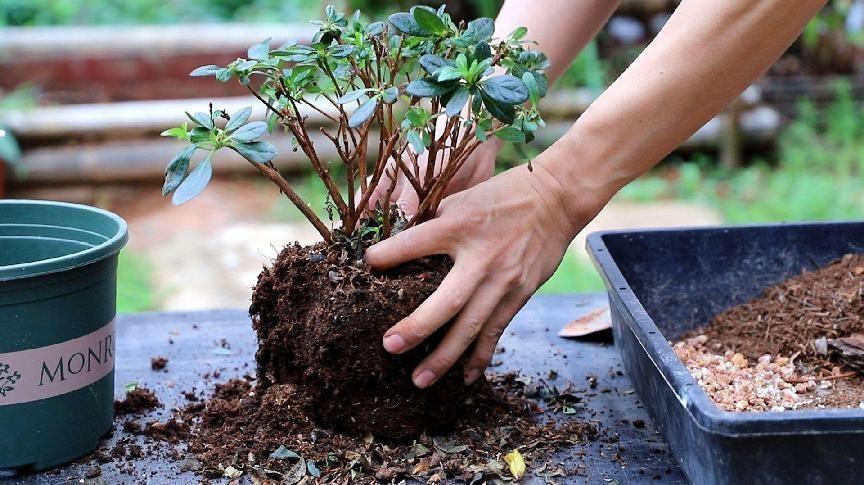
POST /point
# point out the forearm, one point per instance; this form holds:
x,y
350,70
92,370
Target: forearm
x,y
707,53
561,28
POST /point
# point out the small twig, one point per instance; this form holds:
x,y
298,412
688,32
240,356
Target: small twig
x,y
828,378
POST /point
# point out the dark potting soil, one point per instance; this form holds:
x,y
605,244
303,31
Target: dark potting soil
x,y
158,363
269,434
320,318
798,318
137,401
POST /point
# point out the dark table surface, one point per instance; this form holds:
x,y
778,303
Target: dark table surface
x,y
193,344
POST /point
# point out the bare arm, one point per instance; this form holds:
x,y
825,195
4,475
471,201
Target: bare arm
x,y
561,28
707,53
508,234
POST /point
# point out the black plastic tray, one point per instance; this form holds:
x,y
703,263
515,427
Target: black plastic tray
x,y
666,281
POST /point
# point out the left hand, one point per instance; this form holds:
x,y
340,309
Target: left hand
x,y
506,237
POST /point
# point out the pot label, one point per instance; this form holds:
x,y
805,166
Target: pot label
x,y
36,374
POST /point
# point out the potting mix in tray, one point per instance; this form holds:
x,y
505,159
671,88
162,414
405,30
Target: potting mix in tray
x,y
797,346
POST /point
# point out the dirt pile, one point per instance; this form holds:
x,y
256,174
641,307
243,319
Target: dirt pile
x,y
137,401
320,319
269,435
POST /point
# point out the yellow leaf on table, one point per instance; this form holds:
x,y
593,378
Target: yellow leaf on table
x,y
516,463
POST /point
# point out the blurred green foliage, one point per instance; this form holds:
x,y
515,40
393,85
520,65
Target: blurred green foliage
x,y
125,12
20,99
134,288
818,174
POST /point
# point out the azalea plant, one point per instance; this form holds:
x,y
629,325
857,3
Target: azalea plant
x,y
411,97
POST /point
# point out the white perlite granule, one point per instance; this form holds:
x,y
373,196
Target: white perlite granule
x,y
736,385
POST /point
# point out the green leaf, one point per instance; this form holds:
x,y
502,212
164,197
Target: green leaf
x,y
181,132
208,70
511,134
195,183
260,51
246,65
9,149
341,51
427,88
363,112
482,51
176,170
531,84
199,134
404,22
352,96
506,113
428,20
374,28
505,89
480,29
417,116
283,453
448,73
250,132
456,102
238,118
255,151
432,63
416,142
201,119
223,74
519,33
390,95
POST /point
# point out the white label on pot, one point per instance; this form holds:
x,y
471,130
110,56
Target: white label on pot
x,y
36,374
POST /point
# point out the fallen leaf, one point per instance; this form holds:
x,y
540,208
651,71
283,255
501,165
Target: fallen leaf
x,y
591,323
283,453
296,473
231,472
516,463
312,469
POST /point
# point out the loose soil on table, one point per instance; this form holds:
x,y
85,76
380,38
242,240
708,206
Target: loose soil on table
x,y
320,317
778,351
270,434
137,401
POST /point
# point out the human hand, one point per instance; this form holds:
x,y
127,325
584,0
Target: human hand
x,y
478,168
506,237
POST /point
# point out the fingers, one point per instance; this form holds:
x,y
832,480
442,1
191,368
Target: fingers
x,y
407,201
484,349
416,242
460,336
444,304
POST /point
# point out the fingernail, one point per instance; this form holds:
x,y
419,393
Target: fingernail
x,y
471,376
394,343
424,379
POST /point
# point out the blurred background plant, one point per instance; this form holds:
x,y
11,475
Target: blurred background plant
x,y
796,150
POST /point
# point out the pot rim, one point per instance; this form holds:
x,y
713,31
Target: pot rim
x,y
111,246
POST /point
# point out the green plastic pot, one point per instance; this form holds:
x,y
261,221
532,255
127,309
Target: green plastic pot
x,y
58,286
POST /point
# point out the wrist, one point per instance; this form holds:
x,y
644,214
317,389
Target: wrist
x,y
589,166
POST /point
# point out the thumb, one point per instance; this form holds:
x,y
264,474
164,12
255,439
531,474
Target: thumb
x,y
421,240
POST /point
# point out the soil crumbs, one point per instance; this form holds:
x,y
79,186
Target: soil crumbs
x,y
502,434
513,428
784,349
138,400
